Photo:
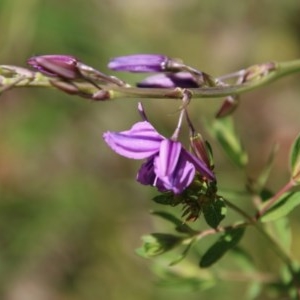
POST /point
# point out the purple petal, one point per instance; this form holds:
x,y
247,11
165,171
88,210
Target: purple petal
x,y
141,141
200,166
167,159
171,80
138,63
56,65
146,175
181,178
173,170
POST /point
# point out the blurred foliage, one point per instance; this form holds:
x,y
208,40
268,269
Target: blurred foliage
x,y
70,213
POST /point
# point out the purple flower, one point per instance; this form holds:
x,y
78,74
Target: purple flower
x,y
170,80
168,165
64,66
139,63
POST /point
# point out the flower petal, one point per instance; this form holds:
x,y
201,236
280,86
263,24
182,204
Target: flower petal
x,y
200,165
141,141
167,159
183,173
171,80
138,63
146,173
147,176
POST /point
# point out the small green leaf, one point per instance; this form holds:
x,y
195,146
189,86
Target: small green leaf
x,y
223,130
226,242
258,184
184,280
243,259
158,243
214,212
165,199
183,254
281,231
295,160
283,207
253,290
180,226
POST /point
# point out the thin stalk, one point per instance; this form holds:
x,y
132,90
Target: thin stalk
x,y
274,199
276,71
276,248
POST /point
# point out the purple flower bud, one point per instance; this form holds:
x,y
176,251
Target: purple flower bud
x,y
202,150
139,63
171,80
64,66
228,106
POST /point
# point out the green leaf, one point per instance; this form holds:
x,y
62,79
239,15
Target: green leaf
x,y
214,212
226,242
253,290
183,280
243,259
295,160
180,226
158,243
165,199
283,207
223,130
258,184
281,231
183,254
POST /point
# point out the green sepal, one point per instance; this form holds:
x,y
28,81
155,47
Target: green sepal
x,y
226,242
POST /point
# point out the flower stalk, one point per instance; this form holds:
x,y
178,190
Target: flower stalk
x,y
256,76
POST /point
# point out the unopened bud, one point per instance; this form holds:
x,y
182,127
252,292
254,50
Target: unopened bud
x,y
228,106
101,95
65,86
64,66
202,150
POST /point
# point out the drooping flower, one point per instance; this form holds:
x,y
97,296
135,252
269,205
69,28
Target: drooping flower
x,y
139,63
64,66
169,166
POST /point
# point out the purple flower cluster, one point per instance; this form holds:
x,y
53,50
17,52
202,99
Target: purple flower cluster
x,y
170,70
168,166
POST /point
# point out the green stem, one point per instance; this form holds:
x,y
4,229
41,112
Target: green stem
x,y
262,75
274,199
276,248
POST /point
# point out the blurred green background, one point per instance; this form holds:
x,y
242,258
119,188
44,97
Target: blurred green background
x,y
71,214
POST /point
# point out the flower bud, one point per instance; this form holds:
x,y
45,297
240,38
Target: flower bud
x,y
202,150
64,66
139,63
228,106
171,80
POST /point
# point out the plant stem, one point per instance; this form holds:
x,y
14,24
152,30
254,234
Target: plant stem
x,y
263,74
276,248
274,199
